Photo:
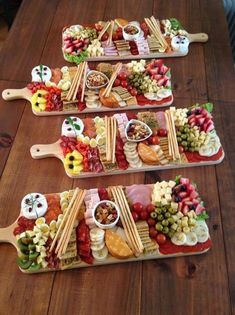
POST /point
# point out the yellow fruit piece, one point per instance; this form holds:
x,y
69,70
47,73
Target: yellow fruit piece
x,y
80,138
100,140
44,228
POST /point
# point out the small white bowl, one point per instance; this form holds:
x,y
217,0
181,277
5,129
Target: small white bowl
x,y
99,86
106,226
133,121
128,36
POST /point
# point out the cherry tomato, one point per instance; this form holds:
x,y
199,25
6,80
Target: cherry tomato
x,y
135,216
129,88
137,207
150,208
151,222
133,92
104,37
124,83
162,132
115,37
161,238
120,35
122,75
155,140
98,27
153,232
181,149
119,29
117,82
144,215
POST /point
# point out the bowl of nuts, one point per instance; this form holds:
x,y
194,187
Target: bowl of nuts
x,y
137,131
106,214
96,80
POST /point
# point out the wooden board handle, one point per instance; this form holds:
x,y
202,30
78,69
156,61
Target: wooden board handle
x,y
7,236
14,94
40,151
199,37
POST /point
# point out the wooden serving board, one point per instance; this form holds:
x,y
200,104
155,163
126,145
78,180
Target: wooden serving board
x,y
7,236
198,37
40,151
24,93
72,107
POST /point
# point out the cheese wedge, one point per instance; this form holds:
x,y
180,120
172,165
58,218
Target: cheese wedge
x,y
117,246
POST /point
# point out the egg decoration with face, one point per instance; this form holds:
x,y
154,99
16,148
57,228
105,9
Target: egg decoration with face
x,y
72,127
33,206
180,43
41,73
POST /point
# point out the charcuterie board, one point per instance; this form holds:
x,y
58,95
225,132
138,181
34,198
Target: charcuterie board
x,y
120,39
81,228
135,142
90,88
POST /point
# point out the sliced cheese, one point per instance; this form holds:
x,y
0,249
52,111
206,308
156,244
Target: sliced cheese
x,y
117,246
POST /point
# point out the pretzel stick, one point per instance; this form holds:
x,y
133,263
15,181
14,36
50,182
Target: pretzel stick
x,y
126,226
153,30
104,30
64,218
69,95
67,225
106,135
131,220
110,32
71,222
112,79
114,138
111,138
79,80
168,134
157,28
84,81
174,135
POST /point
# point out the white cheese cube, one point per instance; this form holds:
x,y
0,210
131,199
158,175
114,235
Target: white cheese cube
x,y
171,183
168,190
168,197
164,201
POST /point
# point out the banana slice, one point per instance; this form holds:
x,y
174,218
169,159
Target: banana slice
x,y
202,231
101,254
179,238
191,239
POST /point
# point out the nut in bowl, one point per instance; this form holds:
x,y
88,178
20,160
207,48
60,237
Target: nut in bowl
x,y
106,214
96,80
131,31
137,131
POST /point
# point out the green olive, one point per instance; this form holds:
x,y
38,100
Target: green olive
x,y
153,215
165,230
158,227
167,215
171,221
165,222
170,234
160,217
158,210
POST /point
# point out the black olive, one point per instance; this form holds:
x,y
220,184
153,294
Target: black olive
x,y
39,205
183,188
30,209
39,95
27,200
177,42
71,166
45,68
71,158
182,42
67,122
37,104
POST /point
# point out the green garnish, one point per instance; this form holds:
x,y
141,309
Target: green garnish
x,y
202,216
177,179
75,126
208,107
40,72
76,59
175,24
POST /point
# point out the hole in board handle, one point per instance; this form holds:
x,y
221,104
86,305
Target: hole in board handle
x,y
8,93
38,150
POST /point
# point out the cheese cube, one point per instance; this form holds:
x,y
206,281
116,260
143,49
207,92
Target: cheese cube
x,y
164,201
164,184
168,190
168,197
171,183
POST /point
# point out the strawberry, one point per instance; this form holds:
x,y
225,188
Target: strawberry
x,y
185,209
199,209
184,181
161,81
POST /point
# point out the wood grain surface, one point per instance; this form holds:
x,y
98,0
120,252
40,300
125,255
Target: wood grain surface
x,y
196,285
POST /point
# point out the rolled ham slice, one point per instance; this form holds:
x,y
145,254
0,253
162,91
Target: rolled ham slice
x,y
161,120
139,193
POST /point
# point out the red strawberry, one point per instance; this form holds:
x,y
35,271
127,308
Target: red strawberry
x,y
185,209
161,82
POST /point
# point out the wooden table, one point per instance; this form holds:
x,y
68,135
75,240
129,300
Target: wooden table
x,y
202,285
